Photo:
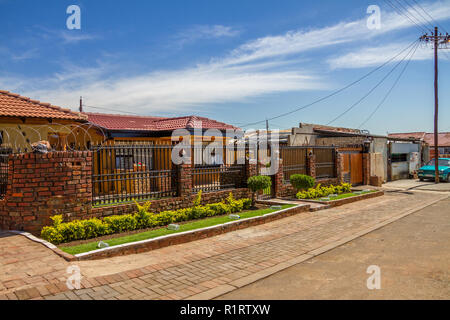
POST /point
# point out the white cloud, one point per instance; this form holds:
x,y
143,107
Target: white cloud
x,y
374,56
204,32
257,67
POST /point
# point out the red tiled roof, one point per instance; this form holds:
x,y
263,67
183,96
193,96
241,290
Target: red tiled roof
x,y
147,123
15,105
444,137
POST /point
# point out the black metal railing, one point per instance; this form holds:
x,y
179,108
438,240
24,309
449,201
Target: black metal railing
x,y
217,177
128,172
4,155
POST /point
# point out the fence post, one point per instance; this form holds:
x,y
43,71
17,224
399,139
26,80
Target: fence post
x,y
366,168
311,163
184,178
278,180
340,167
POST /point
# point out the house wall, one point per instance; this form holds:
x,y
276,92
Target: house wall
x,y
20,134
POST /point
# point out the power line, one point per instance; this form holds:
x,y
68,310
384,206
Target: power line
x,y
371,90
335,92
420,14
429,15
404,14
115,110
390,90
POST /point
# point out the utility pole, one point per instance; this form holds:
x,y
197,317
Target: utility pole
x,y
81,104
436,39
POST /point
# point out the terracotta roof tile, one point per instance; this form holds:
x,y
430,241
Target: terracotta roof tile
x,y
15,105
148,123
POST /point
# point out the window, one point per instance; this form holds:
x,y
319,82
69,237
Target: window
x,y
399,157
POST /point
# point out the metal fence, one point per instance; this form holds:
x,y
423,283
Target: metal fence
x,y
325,162
123,173
4,154
294,161
217,177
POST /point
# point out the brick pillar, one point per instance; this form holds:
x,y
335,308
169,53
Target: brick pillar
x,y
44,185
311,163
340,167
366,168
251,168
278,180
184,180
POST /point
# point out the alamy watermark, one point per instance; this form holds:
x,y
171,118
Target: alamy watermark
x,y
73,282
374,281
74,20
374,20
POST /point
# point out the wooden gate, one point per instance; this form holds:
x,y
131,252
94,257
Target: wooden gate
x,y
353,166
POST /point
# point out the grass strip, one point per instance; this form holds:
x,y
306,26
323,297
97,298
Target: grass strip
x,y
345,195
203,223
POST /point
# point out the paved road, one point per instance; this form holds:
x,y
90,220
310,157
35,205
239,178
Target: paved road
x,y
201,269
411,184
413,255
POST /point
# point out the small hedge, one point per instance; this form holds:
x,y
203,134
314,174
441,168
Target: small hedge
x,y
319,191
91,228
301,181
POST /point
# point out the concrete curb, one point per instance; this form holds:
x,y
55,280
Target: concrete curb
x,y
239,283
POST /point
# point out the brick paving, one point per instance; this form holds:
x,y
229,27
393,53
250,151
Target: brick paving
x,y
186,270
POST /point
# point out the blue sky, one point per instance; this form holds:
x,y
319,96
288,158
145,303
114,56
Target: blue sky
x,y
234,61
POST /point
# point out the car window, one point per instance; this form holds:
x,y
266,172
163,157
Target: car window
x,y
442,163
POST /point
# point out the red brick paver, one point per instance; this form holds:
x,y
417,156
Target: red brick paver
x,y
186,270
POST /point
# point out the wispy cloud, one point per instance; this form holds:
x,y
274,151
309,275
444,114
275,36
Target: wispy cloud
x,y
373,56
204,32
262,66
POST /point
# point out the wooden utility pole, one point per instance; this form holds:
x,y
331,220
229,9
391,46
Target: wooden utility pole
x,y
436,39
436,108
81,104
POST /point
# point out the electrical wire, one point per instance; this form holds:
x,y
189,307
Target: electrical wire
x,y
420,14
406,15
335,92
108,109
390,90
429,15
373,89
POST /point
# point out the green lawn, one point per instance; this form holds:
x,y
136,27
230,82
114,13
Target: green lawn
x,y
344,195
208,222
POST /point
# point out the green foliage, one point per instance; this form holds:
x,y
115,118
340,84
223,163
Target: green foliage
x,y
198,199
319,191
301,181
91,228
257,183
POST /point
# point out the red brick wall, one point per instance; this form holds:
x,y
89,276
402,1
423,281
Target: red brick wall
x,y
43,185
286,190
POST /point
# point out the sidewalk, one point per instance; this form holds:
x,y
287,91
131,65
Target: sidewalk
x,y
210,267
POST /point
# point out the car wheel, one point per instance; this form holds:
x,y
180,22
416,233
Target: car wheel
x,y
421,179
448,178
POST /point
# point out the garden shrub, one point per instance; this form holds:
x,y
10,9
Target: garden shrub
x,y
61,232
258,183
319,191
301,181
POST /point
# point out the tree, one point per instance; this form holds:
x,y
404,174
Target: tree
x,y
258,183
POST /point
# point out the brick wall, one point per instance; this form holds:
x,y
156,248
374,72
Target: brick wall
x,y
286,190
43,185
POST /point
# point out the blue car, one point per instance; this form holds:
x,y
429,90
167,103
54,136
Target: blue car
x,y
428,171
